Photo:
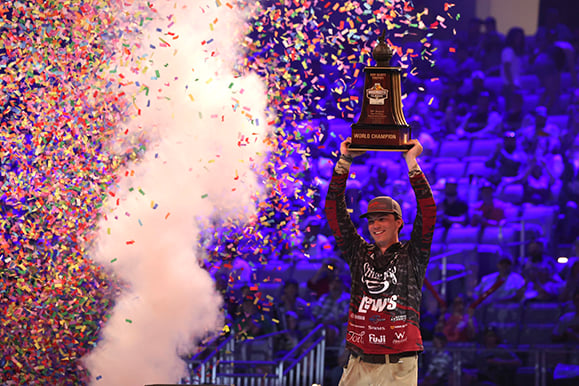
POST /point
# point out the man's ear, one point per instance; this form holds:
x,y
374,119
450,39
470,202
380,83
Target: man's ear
x,y
399,222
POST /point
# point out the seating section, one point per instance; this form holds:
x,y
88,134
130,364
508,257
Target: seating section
x,y
478,168
501,235
503,313
536,333
541,312
483,148
543,215
512,193
449,169
462,235
454,149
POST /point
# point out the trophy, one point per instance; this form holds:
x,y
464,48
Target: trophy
x,y
381,125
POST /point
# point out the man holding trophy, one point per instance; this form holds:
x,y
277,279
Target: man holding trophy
x,y
383,335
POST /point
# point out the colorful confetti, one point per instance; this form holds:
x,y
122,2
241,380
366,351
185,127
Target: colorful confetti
x,y
63,103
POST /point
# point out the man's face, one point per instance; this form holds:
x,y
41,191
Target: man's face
x,y
383,227
335,286
505,267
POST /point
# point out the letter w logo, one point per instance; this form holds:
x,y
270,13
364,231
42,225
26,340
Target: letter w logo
x,y
399,335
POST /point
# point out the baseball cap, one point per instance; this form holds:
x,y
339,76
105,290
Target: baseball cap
x,y
383,204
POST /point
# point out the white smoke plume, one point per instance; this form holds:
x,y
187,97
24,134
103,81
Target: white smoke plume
x,y
205,128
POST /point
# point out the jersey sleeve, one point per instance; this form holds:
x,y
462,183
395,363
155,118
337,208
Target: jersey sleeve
x,y
423,228
344,231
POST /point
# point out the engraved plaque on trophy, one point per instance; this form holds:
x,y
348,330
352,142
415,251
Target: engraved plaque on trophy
x,y
381,125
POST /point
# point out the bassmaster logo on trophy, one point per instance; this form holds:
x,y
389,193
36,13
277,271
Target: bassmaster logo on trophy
x,y
377,94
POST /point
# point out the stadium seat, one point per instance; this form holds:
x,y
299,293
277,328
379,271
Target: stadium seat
x,y
503,313
454,149
559,120
508,332
512,193
494,83
544,215
541,312
478,168
536,333
483,147
462,235
530,102
452,169
503,235
512,211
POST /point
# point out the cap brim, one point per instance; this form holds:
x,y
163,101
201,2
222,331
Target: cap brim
x,y
378,212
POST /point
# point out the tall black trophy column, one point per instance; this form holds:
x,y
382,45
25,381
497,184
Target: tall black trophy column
x,y
381,125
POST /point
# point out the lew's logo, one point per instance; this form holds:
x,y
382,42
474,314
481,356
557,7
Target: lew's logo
x,y
377,339
377,305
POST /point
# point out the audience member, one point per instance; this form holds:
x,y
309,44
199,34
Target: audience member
x,y
548,61
252,321
537,181
473,37
554,26
572,257
567,328
514,113
572,118
452,209
293,314
438,363
495,363
568,227
319,284
489,211
481,120
230,303
541,281
508,159
459,325
537,258
571,280
492,46
331,309
512,62
540,138
500,286
470,93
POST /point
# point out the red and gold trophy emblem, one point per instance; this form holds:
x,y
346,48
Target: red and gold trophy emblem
x,y
381,125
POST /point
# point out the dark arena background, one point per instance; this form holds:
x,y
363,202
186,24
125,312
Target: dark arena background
x,y
163,168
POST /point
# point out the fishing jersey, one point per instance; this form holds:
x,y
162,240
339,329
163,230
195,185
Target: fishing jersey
x,y
386,293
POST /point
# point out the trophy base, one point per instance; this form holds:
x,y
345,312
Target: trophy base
x,y
367,137
380,147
